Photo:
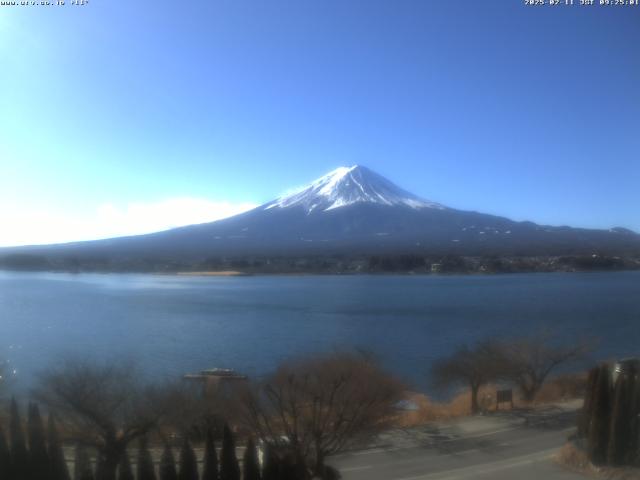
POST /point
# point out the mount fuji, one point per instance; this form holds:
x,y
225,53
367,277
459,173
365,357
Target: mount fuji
x,y
350,211
348,186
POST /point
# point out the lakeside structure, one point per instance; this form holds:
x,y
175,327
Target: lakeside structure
x,y
215,379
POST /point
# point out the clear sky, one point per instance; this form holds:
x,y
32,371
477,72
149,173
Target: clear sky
x,y
122,117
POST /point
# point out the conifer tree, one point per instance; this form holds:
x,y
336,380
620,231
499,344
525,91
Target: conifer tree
x,y
286,470
210,470
101,473
145,468
38,456
331,473
57,462
168,465
188,462
619,434
251,466
633,452
82,464
598,440
5,456
229,468
298,470
125,472
587,408
270,468
19,454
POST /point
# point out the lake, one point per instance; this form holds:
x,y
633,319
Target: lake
x,y
174,324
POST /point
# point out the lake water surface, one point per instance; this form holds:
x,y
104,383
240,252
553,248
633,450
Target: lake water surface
x,y
172,325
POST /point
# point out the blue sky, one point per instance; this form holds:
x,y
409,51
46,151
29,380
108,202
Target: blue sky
x,y
122,117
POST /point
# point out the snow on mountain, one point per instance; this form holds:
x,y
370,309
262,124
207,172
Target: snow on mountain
x,y
347,186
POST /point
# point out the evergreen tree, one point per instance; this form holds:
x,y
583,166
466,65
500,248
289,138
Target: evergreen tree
x,y
210,470
287,470
19,454
229,468
620,434
633,452
82,464
270,468
295,469
168,465
5,456
587,408
145,468
598,440
331,473
57,462
251,466
125,472
188,462
101,473
39,458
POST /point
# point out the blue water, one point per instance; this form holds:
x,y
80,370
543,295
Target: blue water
x,y
171,325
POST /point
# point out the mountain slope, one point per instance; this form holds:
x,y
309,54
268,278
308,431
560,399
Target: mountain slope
x,y
352,210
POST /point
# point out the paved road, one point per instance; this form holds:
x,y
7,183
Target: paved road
x,y
499,446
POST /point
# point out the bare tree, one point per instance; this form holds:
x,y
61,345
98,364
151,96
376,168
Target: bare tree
x,y
3,380
188,411
7,375
316,407
470,366
528,361
103,406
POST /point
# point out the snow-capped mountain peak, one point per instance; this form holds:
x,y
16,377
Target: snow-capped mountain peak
x,y
347,186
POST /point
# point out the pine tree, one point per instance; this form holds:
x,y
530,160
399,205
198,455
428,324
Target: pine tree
x,y
251,466
210,470
101,473
270,467
229,468
286,470
587,408
5,456
19,454
168,465
619,434
188,462
598,440
82,464
125,472
292,468
38,456
331,473
57,462
145,469
634,445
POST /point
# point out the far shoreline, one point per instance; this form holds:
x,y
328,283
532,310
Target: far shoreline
x,y
212,273
234,273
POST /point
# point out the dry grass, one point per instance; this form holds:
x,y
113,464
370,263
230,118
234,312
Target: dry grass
x,y
563,388
575,459
558,389
429,411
